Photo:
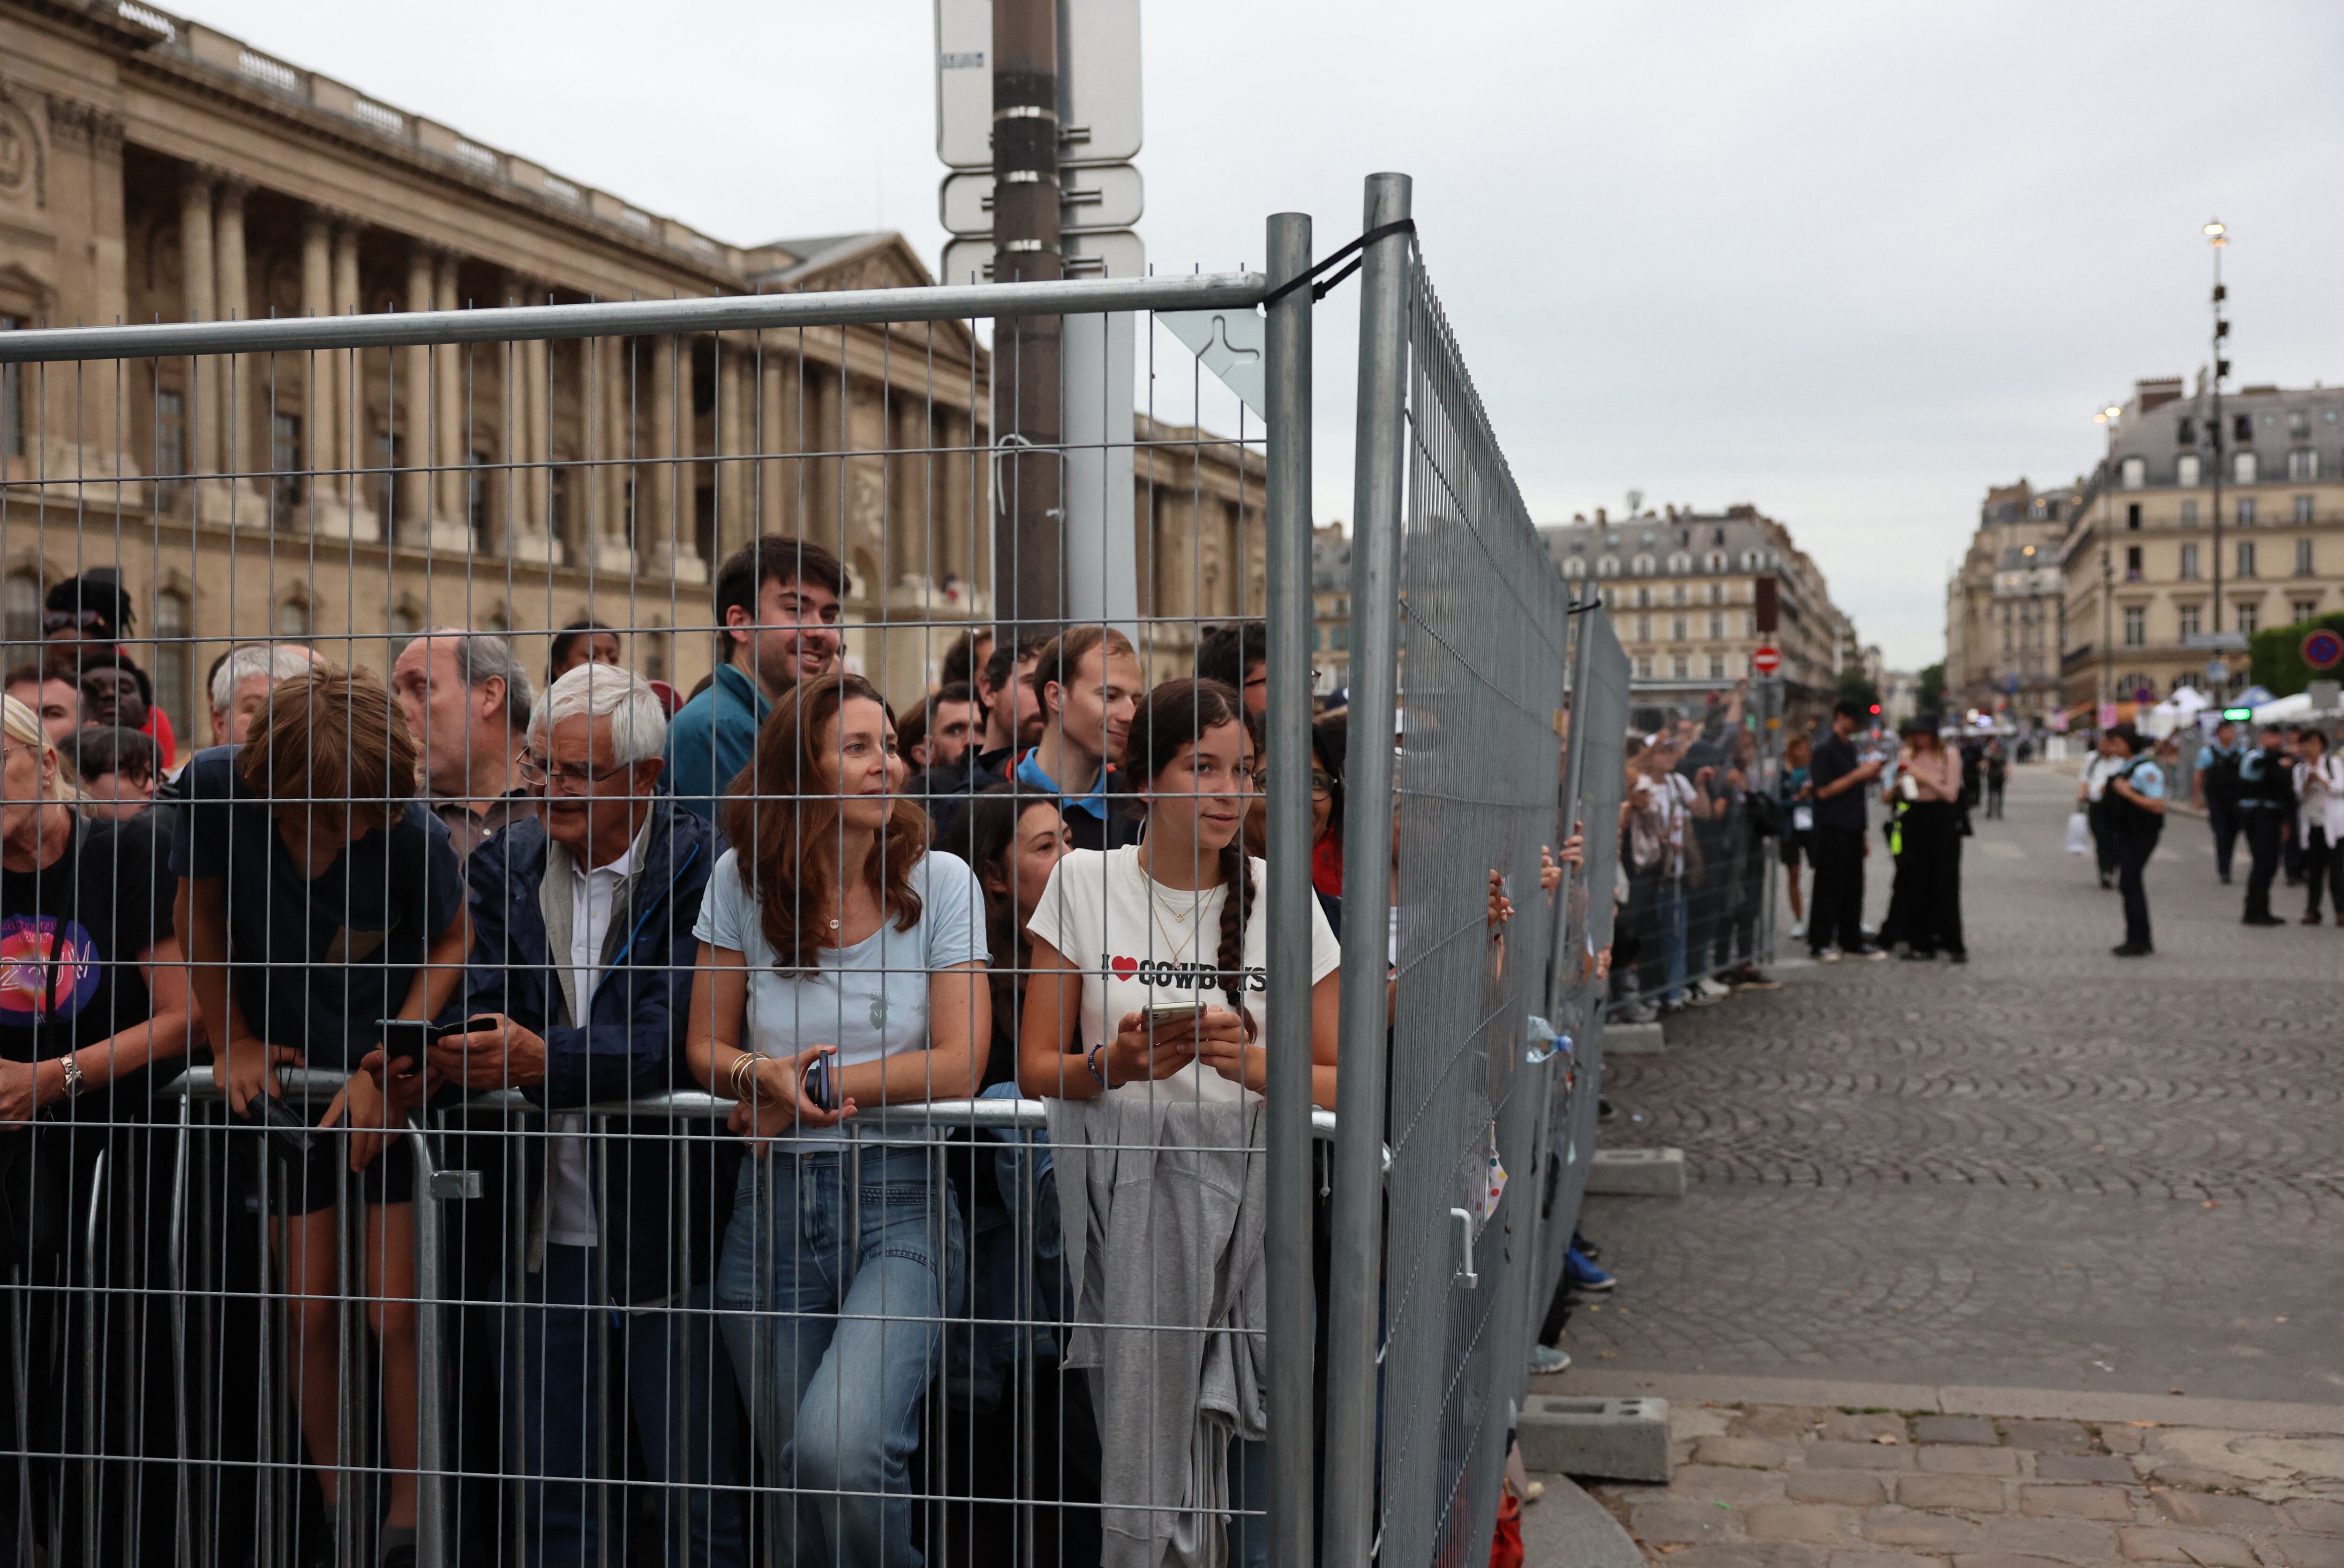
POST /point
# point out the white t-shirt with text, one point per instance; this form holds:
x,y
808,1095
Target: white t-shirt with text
x,y
1138,941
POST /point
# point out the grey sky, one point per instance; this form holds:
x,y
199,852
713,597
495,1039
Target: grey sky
x,y
1851,262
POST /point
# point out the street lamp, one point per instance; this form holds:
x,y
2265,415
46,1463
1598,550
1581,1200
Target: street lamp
x,y
2109,418
2218,239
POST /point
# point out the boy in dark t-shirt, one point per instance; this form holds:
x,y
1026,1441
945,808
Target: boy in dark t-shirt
x,y
318,895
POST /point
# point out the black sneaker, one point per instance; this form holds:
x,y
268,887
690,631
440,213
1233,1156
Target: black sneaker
x,y
2262,920
2128,950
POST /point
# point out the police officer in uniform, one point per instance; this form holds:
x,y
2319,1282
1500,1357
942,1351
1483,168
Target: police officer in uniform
x,y
2215,784
2134,807
2266,801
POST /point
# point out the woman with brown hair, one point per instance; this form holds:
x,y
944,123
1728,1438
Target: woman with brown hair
x,y
842,966
1143,1028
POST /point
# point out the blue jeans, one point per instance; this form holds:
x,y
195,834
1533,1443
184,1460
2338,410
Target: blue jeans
x,y
837,1276
692,1440
1669,916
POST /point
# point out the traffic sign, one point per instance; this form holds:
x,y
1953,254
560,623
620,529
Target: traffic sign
x,y
1090,200
1767,659
1099,82
2323,649
1117,253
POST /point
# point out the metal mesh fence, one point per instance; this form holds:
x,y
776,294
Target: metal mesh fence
x,y
582,985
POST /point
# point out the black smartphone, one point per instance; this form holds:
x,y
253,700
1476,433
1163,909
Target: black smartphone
x,y
404,1040
285,1128
819,1086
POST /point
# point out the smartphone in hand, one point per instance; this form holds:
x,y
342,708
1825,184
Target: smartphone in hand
x,y
404,1040
818,1086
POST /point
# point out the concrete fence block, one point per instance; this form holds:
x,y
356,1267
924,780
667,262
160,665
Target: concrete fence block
x,y
1618,1440
1637,1172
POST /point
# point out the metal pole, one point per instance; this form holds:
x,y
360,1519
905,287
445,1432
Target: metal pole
x,y
1287,756
1357,1290
1028,583
430,1503
1574,774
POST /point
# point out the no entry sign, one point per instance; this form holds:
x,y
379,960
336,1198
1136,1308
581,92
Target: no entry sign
x,y
2323,649
1769,659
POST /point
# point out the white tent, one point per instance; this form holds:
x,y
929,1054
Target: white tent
x,y
2177,711
2281,709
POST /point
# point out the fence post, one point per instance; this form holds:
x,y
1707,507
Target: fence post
x,y
430,1502
1288,758
1357,1275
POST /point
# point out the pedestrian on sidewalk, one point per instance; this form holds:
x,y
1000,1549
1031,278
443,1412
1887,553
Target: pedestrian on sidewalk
x,y
2135,805
2266,801
1797,795
1839,845
1997,776
1926,906
2214,790
2105,763
2320,821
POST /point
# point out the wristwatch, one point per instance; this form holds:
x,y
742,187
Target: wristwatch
x,y
75,1082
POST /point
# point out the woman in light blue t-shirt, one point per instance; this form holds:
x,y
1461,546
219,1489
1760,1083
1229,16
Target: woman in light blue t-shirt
x,y
834,1281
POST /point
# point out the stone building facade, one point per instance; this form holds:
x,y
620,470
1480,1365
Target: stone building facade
x,y
1684,591
152,169
2139,560
2004,606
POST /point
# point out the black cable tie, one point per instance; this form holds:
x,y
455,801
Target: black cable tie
x,y
1320,290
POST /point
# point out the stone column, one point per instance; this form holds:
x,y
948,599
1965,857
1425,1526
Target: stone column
x,y
200,304
825,488
608,400
776,429
734,478
451,522
353,439
238,418
960,529
412,412
657,539
529,441
320,420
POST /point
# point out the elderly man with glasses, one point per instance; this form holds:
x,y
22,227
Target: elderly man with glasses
x,y
580,976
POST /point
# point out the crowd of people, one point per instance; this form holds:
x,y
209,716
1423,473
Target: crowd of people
x,y
423,889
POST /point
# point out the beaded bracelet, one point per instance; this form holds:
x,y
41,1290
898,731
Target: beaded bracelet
x,y
1091,1060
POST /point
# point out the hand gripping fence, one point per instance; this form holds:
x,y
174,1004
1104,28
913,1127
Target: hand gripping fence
x,y
582,981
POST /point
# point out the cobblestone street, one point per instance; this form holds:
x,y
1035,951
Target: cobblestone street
x,y
2051,1169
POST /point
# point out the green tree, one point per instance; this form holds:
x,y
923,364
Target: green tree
x,y
1852,684
1930,689
2278,654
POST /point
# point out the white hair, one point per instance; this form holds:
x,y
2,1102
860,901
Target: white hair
x,y
278,661
638,718
481,657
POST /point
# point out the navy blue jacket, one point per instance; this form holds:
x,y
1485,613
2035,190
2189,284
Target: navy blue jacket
x,y
660,1222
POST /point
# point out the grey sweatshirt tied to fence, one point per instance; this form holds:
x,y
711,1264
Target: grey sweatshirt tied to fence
x,y
1163,1204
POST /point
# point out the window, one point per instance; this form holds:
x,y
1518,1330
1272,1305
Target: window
x,y
1573,568
386,483
1750,623
2132,517
170,447
2302,465
2246,511
1749,561
1717,594
1607,567
2188,514
2246,558
1717,666
2188,564
2242,428
1644,566
1644,667
2301,609
171,658
21,607
2185,434
285,461
2136,473
2135,626
1716,626
2303,509
2248,618
293,619
1680,562
2242,468
1341,636
2303,559
2184,471
1680,667
2190,617
12,399
1716,560
1677,629
2132,563
2298,424
1677,593
1643,597
1643,628
476,495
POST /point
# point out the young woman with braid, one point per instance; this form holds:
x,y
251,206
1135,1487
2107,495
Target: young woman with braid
x,y
1120,935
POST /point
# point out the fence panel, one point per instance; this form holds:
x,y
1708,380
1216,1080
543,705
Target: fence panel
x,y
1484,624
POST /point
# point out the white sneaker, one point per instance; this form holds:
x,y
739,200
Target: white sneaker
x,y
1799,927
1713,988
1546,1360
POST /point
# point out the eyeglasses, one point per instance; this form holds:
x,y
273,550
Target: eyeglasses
x,y
1322,783
85,620
571,778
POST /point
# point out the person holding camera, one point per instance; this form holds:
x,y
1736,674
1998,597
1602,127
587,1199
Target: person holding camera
x,y
841,966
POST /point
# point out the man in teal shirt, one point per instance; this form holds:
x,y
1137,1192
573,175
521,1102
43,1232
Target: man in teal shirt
x,y
777,604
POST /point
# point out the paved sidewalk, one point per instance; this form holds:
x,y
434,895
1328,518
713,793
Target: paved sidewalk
x,y
1821,1486
2051,1169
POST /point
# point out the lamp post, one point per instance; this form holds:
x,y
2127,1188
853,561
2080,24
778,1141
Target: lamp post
x,y
2108,417
2218,239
